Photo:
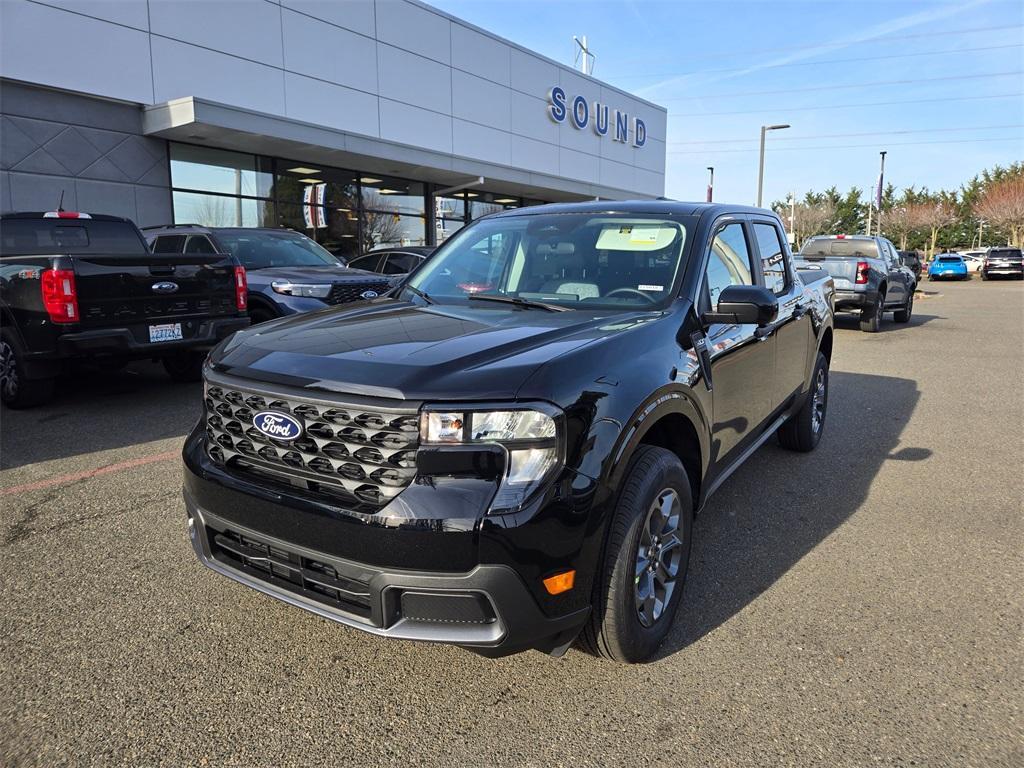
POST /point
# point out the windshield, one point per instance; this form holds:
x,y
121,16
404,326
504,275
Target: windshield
x,y
261,250
577,260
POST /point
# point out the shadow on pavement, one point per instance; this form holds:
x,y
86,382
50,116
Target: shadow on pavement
x,y
850,321
780,505
97,411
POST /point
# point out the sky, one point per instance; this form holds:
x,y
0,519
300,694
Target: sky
x,y
938,85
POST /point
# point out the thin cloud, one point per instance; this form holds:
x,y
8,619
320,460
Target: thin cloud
x,y
879,30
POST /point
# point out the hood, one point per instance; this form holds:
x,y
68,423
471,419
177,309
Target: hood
x,y
396,349
324,274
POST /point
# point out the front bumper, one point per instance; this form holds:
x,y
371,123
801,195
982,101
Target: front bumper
x,y
487,609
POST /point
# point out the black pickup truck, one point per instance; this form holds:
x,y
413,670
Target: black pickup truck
x,y
75,286
507,452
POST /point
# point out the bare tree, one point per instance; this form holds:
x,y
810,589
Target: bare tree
x,y
932,217
899,222
807,220
1002,204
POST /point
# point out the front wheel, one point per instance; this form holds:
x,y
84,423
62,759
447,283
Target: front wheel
x,y
185,366
640,583
17,391
803,430
903,315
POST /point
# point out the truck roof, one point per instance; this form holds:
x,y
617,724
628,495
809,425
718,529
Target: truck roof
x,y
667,207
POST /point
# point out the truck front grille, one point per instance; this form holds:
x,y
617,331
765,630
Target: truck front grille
x,y
363,456
342,293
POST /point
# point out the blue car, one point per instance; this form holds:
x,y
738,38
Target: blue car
x,y
287,272
948,265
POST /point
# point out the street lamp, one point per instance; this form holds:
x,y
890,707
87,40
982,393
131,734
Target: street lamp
x,y
760,169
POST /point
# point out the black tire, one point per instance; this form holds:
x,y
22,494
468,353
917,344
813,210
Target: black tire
x,y
257,316
804,429
185,366
903,315
984,276
871,318
618,628
16,390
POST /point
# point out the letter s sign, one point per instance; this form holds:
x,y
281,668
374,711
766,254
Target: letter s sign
x,y
557,104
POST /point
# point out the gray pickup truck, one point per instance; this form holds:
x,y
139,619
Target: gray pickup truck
x,y
868,274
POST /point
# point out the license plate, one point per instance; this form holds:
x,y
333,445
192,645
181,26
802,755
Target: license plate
x,y
166,332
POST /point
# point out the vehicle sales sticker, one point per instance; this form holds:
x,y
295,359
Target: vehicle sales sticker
x,y
166,332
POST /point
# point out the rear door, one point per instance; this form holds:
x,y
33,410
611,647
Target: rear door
x,y
898,278
792,327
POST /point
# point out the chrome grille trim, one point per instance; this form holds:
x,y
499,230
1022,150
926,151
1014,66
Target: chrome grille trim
x,y
365,453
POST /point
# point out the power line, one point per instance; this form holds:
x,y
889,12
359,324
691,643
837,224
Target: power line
x,y
816,63
846,43
850,135
843,146
832,87
820,108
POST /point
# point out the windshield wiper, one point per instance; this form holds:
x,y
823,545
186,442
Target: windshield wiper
x,y
519,301
418,292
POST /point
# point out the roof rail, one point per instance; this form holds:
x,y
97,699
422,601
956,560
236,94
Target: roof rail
x,y
170,226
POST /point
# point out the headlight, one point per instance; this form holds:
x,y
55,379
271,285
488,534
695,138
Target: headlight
x,y
309,290
530,436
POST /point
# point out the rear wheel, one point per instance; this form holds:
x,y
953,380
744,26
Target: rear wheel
x,y
903,315
804,429
185,366
640,583
258,315
871,318
17,391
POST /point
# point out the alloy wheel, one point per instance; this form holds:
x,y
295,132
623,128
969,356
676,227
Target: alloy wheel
x,y
818,402
658,557
8,371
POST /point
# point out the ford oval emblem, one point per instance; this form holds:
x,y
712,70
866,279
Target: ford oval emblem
x,y
165,287
369,294
279,426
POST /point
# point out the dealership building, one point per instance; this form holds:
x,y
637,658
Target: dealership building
x,y
360,123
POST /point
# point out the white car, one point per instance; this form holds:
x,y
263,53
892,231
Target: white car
x,y
973,260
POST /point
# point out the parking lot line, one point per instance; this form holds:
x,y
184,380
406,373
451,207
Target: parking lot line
x,y
75,477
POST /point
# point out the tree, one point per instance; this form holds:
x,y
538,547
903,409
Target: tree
x,y
805,220
1002,204
933,217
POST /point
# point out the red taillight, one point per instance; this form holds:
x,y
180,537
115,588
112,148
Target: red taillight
x,y
840,237
60,297
241,289
862,272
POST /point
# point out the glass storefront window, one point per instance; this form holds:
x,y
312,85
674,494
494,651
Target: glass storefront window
x,y
385,193
483,203
449,216
382,229
336,230
221,211
206,169
295,183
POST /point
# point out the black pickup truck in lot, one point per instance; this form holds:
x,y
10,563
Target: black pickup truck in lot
x,y
75,286
507,452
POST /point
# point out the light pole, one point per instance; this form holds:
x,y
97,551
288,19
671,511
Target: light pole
x,y
878,198
711,182
760,169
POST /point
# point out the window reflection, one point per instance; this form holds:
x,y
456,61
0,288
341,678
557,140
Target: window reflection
x,y
221,211
216,170
336,230
385,193
382,229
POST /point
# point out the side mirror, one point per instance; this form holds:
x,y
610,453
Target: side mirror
x,y
744,304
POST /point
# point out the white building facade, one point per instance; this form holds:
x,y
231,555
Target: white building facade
x,y
323,115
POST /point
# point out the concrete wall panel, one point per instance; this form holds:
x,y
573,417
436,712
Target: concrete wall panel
x,y
329,53
355,15
251,30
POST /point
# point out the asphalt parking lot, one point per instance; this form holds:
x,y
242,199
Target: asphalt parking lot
x,y
860,605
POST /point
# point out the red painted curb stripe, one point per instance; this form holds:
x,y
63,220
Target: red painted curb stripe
x,y
89,473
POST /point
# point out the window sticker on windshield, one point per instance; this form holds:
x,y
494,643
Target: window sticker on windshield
x,y
650,287
636,237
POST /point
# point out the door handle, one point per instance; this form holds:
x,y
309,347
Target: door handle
x,y
762,334
799,311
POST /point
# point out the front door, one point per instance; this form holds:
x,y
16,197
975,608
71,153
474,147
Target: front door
x,y
741,360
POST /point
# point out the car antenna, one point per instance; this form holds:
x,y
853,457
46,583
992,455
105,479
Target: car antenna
x,y
60,203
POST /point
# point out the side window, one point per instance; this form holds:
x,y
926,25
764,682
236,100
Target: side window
x,y
368,262
399,263
199,244
729,262
773,259
169,244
